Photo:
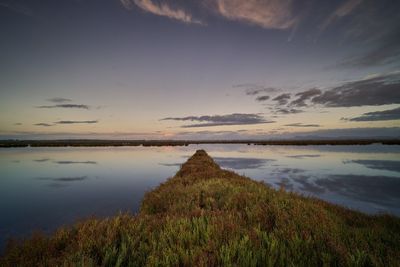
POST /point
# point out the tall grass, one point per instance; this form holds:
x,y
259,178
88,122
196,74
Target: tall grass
x,y
206,216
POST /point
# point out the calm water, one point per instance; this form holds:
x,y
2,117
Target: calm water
x,y
44,188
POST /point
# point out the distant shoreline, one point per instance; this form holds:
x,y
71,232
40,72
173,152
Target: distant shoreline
x,y
109,143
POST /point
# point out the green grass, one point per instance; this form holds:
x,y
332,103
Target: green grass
x,y
206,216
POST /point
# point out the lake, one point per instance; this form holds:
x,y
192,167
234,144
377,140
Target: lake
x,y
44,188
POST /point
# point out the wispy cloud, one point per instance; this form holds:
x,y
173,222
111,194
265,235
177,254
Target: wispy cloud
x,y
17,7
43,124
76,122
162,9
222,120
386,115
79,106
385,51
59,100
343,10
272,14
255,89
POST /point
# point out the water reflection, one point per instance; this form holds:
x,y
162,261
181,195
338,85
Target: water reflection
x,y
41,160
242,163
303,156
63,179
74,162
389,165
56,186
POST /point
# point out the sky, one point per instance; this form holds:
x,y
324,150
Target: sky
x,y
199,69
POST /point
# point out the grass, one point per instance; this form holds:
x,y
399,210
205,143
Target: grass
x,y
207,216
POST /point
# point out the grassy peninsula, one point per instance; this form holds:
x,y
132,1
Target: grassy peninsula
x,y
207,216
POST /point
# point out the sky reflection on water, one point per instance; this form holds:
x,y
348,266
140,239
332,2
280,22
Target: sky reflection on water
x,y
43,188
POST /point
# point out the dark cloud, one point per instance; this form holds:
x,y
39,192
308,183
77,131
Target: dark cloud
x,y
76,122
386,115
302,125
287,111
241,163
380,90
80,106
282,99
221,120
262,98
17,124
43,124
75,162
387,165
304,96
59,100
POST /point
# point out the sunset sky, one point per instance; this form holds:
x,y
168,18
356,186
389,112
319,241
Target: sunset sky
x,y
199,69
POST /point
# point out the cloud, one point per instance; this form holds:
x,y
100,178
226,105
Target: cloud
x,y
271,14
287,111
282,99
304,96
79,106
162,9
386,115
385,51
17,7
343,10
374,91
262,98
255,89
17,124
302,125
222,120
59,100
76,122
43,124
